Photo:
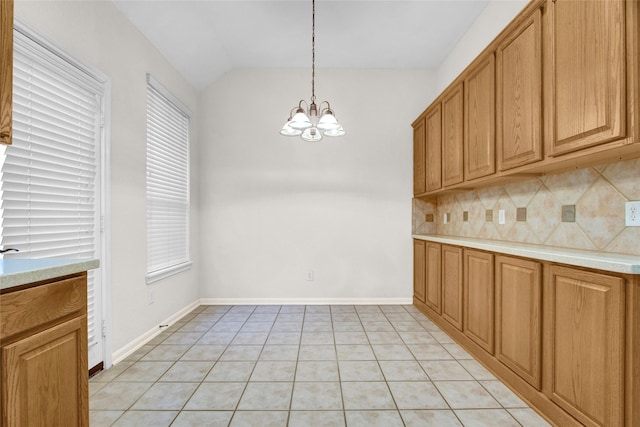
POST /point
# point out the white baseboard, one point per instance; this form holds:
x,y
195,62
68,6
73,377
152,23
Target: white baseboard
x,y
306,301
123,352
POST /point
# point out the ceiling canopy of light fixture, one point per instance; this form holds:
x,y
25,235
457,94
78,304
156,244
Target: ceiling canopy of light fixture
x,y
305,123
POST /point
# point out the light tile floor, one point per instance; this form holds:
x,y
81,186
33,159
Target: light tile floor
x,y
303,366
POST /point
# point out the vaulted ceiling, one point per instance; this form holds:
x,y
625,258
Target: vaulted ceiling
x,y
204,39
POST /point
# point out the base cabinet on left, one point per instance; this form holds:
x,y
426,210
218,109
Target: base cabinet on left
x,y
43,354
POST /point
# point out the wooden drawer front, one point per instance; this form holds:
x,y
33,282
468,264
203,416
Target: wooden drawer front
x,y
584,361
38,306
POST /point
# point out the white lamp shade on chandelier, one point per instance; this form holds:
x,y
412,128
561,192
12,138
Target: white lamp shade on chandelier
x,y
305,124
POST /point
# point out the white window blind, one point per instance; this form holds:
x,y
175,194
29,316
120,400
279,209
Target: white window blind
x,y
49,192
167,183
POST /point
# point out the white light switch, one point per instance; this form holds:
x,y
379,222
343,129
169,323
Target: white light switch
x,y
501,217
445,218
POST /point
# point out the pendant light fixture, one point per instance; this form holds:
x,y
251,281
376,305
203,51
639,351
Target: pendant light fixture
x,y
305,123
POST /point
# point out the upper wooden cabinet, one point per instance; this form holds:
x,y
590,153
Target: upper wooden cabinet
x,y
586,75
452,136
6,69
433,120
419,156
519,95
479,119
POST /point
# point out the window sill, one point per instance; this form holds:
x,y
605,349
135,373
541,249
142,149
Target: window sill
x,y
167,272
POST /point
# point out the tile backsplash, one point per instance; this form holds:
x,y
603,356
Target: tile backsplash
x,y
598,194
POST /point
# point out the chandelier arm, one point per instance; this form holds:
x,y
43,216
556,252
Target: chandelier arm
x,y
313,51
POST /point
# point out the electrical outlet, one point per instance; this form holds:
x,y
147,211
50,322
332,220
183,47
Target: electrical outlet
x,y
632,214
502,218
521,214
488,215
310,275
569,213
429,217
445,218
465,216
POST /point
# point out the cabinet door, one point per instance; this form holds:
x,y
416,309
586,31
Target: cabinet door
x,y
419,157
479,298
419,269
452,132
45,377
434,148
584,360
519,316
6,69
519,95
585,92
479,119
452,285
433,277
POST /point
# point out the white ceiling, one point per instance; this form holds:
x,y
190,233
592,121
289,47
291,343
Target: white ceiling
x,y
204,39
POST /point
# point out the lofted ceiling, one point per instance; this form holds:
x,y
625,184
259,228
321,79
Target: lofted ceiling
x,y
204,39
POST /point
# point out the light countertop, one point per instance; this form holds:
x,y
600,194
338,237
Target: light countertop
x,y
16,272
618,263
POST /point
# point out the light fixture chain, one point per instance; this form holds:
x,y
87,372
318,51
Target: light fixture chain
x,y
313,51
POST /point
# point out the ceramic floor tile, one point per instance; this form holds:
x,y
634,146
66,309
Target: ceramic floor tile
x,y
317,352
230,372
94,387
187,372
286,309
250,338
438,417
259,418
146,418
279,352
316,396
351,338
373,418
442,338
185,338
383,326
202,419
267,309
355,352
402,370
528,417
429,352
218,338
360,371
476,370
503,395
225,326
457,352
144,371
345,317
266,397
392,352
117,396
256,327
241,352
111,373
317,317
195,326
274,371
316,419
103,418
311,326
290,317
366,395
347,326
445,370
281,326
417,395
384,338
136,355
216,396
399,317
283,338
317,370
423,337
165,352
409,326
202,353
466,395
316,338
165,396
486,418
262,317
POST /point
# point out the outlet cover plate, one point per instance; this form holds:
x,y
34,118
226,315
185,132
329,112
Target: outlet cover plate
x,y
488,215
569,213
430,217
502,218
521,214
465,216
632,214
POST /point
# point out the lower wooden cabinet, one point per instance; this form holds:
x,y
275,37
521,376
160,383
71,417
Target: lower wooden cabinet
x,y
419,247
452,285
519,316
584,364
433,294
43,355
478,298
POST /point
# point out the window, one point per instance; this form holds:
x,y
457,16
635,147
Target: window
x,y
50,186
167,183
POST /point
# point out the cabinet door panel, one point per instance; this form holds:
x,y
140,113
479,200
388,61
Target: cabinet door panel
x,y
45,377
452,136
479,120
587,93
586,327
519,316
419,269
479,298
433,277
519,95
434,148
6,69
419,157
452,285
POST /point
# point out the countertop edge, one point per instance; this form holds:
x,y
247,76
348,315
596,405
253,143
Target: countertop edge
x,y
41,272
616,263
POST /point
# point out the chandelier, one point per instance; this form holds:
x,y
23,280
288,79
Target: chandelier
x,y
305,123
